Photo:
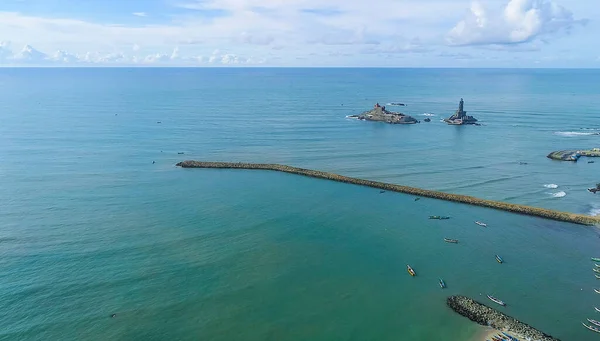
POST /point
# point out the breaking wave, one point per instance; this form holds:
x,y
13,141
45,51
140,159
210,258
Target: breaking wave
x,y
559,194
551,186
574,133
595,210
428,114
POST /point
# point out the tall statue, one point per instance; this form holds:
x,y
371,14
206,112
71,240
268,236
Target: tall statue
x,y
460,105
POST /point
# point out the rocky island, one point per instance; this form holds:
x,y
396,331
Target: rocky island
x,y
380,114
573,155
487,316
460,116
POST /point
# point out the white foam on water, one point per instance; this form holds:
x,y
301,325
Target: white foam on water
x,y
559,194
573,133
428,114
551,185
595,210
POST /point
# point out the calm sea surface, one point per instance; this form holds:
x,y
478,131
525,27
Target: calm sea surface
x,y
90,226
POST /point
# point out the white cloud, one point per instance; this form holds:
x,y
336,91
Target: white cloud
x,y
287,31
63,57
519,21
30,55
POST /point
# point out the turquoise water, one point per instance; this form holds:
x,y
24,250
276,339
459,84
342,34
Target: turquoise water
x,y
90,227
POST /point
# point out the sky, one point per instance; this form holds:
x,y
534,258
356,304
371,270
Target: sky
x,y
320,33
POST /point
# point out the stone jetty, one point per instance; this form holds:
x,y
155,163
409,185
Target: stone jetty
x,y
380,114
487,316
520,209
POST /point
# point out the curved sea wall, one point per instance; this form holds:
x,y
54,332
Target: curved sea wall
x,y
487,316
520,209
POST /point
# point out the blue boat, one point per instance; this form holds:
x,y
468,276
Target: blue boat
x,y
512,338
442,283
499,259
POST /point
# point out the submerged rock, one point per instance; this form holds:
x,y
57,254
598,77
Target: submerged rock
x,y
380,114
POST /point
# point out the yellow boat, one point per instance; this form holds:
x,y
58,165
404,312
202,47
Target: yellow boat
x,y
410,270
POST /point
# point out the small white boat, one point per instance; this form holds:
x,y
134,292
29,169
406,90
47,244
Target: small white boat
x,y
598,310
597,265
598,277
480,223
592,328
594,322
597,291
596,270
494,299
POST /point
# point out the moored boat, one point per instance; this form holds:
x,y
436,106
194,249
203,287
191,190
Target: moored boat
x,y
592,328
481,224
594,322
597,265
438,217
510,337
597,291
410,270
596,259
442,283
499,259
598,277
448,240
598,310
596,270
494,299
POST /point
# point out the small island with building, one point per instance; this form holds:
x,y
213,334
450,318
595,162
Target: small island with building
x,y
460,116
380,114
573,155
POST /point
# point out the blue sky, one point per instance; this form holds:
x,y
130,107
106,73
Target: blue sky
x,y
396,33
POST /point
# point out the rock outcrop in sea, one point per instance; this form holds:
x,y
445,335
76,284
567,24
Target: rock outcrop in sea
x,y
487,316
573,155
380,114
460,116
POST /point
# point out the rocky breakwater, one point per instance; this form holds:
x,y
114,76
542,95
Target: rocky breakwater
x,y
487,316
380,114
499,205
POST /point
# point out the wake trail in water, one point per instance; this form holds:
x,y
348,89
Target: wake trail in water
x,y
574,133
551,186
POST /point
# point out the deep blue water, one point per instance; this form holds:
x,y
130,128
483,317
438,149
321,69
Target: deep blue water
x,y
90,226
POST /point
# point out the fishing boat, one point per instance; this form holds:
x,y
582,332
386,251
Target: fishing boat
x,y
594,322
596,270
597,265
410,270
448,240
499,259
510,337
596,259
442,283
594,329
481,224
598,277
597,291
438,217
598,310
494,299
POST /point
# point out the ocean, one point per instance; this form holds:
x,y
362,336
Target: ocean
x,y
95,219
